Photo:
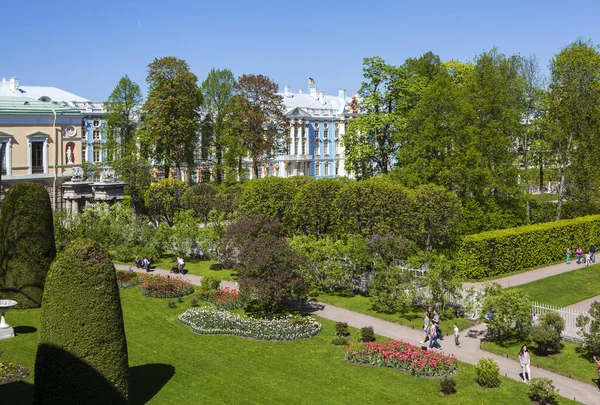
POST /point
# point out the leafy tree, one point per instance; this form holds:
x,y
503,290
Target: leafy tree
x,y
27,246
573,121
122,118
590,331
438,212
82,354
137,173
227,200
392,290
440,279
259,117
200,199
312,209
269,196
548,333
217,90
510,309
374,206
390,249
171,112
164,199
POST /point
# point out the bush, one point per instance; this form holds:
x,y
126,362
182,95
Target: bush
x,y
27,246
341,329
339,341
448,386
224,298
590,331
504,251
547,335
367,334
211,282
510,313
165,287
488,373
82,355
543,391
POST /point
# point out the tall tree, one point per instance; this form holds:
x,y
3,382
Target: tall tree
x,y
259,117
217,91
137,173
574,120
122,118
172,112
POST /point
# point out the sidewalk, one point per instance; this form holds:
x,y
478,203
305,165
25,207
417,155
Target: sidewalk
x,y
528,276
470,352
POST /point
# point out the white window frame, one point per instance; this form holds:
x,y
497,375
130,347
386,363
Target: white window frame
x,y
38,137
7,139
96,149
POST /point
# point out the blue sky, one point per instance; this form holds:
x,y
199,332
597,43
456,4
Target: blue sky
x,y
86,47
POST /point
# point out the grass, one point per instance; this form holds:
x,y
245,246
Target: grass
x,y
171,365
568,363
412,318
566,288
193,266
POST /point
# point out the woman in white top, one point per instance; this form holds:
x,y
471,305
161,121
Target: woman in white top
x,y
525,361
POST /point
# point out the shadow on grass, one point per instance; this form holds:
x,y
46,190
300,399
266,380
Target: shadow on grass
x,y
147,380
23,330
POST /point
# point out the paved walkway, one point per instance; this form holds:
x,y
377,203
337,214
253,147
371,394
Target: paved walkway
x,y
470,352
529,276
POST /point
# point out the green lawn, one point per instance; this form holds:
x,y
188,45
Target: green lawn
x,y
412,318
566,288
567,363
193,266
171,365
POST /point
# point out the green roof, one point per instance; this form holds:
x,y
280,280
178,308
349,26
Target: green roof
x,y
30,106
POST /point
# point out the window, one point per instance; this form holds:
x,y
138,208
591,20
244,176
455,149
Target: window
x,y
317,167
337,130
96,135
83,152
96,154
303,147
337,146
96,124
37,157
326,169
270,171
325,131
337,168
295,131
3,157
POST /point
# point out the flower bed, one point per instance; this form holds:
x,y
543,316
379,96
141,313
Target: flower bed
x,y
164,286
11,372
404,357
223,298
126,279
211,321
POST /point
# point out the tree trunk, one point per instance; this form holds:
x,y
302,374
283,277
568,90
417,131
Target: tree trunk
x,y
219,176
255,168
541,179
561,187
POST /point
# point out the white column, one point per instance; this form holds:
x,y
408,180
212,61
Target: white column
x,y
45,152
68,206
291,151
75,206
29,168
8,157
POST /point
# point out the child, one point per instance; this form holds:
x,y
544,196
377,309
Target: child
x,y
456,342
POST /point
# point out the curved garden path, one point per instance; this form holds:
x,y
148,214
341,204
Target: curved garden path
x,y
470,352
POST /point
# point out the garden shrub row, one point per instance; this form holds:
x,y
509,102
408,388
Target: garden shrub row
x,y
494,253
224,298
164,286
211,321
127,279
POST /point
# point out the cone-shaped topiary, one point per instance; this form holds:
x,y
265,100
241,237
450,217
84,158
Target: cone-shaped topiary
x,y
82,356
26,244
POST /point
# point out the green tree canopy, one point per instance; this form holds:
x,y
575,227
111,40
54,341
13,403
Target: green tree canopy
x,y
122,118
164,199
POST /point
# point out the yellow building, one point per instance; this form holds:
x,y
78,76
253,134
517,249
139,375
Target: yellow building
x,y
43,143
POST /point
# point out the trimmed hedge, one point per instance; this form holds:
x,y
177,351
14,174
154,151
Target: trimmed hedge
x,y
495,253
82,355
27,245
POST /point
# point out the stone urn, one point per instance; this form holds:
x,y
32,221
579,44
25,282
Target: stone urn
x,y
5,330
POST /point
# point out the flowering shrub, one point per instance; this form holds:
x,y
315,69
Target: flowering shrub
x,y
222,298
404,357
126,279
211,321
164,287
11,372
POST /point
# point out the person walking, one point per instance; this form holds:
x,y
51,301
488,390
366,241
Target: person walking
x,y
433,340
436,320
456,336
593,253
579,253
568,255
525,361
598,363
426,326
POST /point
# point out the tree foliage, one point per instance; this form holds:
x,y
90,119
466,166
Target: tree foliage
x,y
200,198
312,208
137,173
510,310
164,199
122,118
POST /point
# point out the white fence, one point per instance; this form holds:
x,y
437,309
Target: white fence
x,y
569,315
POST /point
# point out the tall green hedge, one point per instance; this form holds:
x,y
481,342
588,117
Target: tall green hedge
x,y
26,244
82,355
495,253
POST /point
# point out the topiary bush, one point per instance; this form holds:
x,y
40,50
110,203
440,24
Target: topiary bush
x,y
341,329
503,251
488,373
27,246
543,391
211,282
82,354
367,334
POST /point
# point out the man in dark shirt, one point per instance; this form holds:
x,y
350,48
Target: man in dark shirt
x,y
593,253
